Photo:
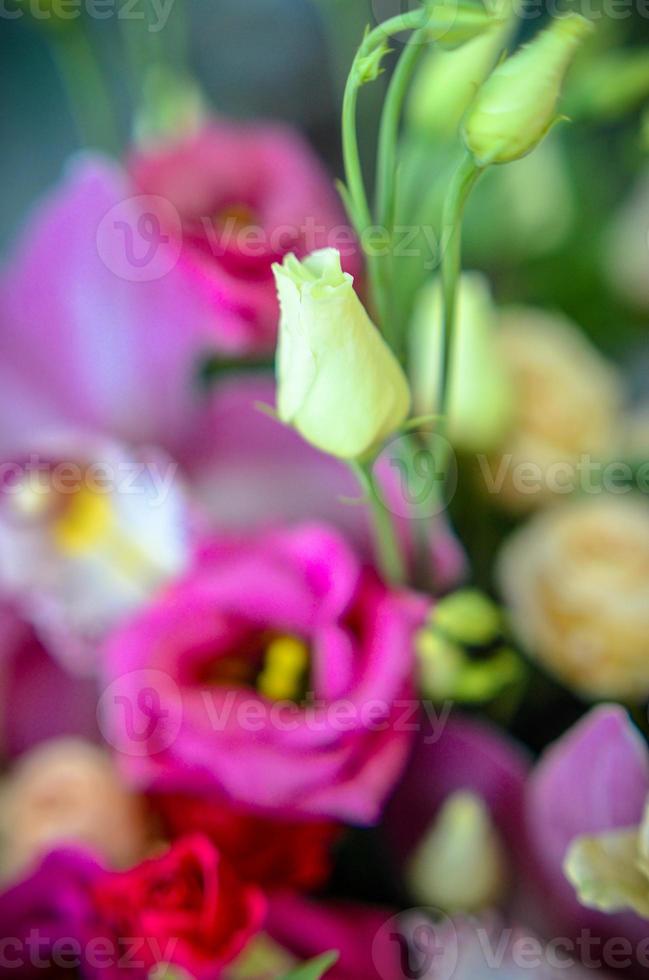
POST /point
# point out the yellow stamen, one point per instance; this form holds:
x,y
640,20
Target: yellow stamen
x,y
84,523
285,664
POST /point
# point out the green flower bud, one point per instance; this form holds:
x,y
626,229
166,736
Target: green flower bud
x,y
517,105
468,617
454,22
339,384
461,652
447,81
369,66
481,397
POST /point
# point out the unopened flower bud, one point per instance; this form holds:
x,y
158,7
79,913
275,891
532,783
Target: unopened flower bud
x,y
339,384
517,105
447,81
460,864
481,396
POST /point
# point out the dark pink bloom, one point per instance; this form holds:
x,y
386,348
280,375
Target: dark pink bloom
x,y
38,700
243,196
47,921
333,743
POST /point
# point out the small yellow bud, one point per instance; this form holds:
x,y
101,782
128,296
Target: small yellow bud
x,y
338,383
517,105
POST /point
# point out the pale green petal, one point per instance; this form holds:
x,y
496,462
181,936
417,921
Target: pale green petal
x,y
339,383
460,865
518,103
604,871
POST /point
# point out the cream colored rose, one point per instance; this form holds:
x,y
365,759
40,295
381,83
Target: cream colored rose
x,y
68,791
576,580
568,402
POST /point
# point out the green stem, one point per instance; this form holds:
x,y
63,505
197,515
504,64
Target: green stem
x,y
87,94
388,549
357,199
462,183
386,179
386,187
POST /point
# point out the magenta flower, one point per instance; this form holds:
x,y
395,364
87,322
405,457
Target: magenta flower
x,y
278,672
38,699
242,197
47,920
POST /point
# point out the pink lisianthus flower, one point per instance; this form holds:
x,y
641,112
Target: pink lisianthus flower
x,y
244,195
278,672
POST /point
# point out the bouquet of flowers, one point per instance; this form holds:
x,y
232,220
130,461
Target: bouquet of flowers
x,y
324,540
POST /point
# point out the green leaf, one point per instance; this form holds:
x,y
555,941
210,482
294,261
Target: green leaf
x,y
314,969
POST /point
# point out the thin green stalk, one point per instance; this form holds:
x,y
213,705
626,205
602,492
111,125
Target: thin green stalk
x,y
388,548
88,97
387,170
357,198
386,188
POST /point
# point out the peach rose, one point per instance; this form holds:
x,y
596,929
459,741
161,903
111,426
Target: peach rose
x,y
64,791
576,580
567,406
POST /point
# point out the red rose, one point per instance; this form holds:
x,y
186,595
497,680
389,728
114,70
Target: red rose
x,y
271,851
186,907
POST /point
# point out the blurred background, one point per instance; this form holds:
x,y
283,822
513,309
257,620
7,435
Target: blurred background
x,y
288,59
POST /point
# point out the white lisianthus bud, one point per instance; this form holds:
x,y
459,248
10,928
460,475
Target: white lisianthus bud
x,y
481,392
517,104
460,864
338,383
